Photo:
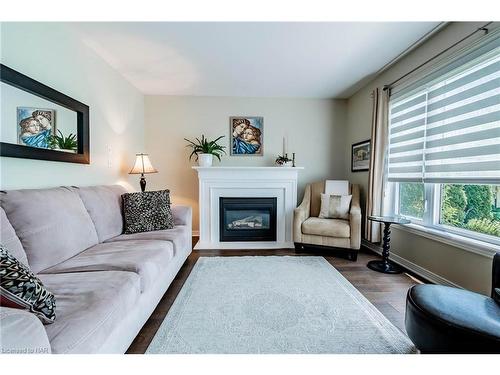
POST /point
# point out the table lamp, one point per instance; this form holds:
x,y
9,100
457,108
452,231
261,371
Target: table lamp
x,y
142,166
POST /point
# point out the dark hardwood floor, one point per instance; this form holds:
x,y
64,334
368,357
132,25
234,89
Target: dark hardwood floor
x,y
386,292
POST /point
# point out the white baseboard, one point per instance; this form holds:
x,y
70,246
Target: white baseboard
x,y
420,271
258,245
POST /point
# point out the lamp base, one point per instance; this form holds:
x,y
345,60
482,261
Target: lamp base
x,y
143,183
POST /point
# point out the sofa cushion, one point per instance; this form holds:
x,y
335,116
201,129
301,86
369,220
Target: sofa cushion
x,y
90,305
326,227
180,236
52,224
9,239
21,289
145,258
104,205
147,211
22,333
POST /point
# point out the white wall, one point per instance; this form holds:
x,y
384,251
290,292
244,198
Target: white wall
x,y
469,270
315,130
52,54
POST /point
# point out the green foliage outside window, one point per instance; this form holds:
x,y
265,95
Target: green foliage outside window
x,y
411,199
470,207
454,205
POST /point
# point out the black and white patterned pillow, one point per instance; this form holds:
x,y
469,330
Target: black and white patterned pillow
x,y
21,289
147,211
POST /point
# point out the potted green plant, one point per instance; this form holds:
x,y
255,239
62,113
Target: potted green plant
x,y
63,143
205,150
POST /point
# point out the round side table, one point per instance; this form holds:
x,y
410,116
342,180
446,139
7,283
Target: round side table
x,y
385,265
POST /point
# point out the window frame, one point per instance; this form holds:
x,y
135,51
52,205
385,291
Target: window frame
x,y
432,213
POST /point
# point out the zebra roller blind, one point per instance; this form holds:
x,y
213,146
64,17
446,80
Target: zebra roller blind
x,y
445,127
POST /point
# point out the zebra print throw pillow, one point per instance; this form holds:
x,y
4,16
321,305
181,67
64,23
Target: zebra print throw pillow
x,y
147,211
21,289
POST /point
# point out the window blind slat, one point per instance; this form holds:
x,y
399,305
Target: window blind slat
x,y
488,89
446,127
471,137
480,104
409,115
484,72
464,124
455,154
408,126
412,103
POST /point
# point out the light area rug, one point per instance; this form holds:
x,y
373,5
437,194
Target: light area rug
x,y
273,304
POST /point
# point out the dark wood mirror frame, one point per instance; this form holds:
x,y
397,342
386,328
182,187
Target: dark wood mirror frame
x,y
25,83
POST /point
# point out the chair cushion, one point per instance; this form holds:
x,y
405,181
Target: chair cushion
x,y
326,227
52,224
441,319
9,239
180,236
145,258
104,205
147,211
21,289
90,305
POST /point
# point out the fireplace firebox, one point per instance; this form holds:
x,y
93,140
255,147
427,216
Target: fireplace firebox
x,y
247,219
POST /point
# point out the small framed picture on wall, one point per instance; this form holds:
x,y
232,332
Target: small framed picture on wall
x,y
360,156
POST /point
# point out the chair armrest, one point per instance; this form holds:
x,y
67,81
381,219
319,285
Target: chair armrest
x,y
300,214
183,215
355,218
21,332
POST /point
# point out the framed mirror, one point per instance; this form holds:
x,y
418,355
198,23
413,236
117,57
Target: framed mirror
x,y
38,122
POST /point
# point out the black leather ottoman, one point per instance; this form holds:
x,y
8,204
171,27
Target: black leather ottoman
x,y
442,319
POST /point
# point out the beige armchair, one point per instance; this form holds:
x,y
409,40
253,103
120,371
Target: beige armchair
x,y
311,231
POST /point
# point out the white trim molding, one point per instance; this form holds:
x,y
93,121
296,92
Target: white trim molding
x,y
272,182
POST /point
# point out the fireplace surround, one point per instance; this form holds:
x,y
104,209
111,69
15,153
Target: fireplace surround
x,y
249,182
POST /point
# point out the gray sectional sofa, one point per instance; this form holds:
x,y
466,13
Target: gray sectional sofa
x,y
106,283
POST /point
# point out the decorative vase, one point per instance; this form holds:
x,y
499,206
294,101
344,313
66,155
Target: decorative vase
x,y
286,164
205,160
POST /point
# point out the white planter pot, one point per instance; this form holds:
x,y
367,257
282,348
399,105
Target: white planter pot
x,y
205,160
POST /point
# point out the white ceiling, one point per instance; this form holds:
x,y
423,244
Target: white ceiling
x,y
317,60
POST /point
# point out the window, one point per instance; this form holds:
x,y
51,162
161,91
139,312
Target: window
x,y
443,161
411,200
466,209
471,207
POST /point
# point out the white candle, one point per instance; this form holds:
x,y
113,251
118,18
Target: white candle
x,y
284,146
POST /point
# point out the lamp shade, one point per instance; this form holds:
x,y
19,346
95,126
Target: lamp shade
x,y
142,165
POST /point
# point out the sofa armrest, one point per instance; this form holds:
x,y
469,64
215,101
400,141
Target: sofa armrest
x,y
183,215
300,214
355,218
21,332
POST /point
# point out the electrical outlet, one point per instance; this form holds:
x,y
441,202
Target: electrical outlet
x,y
109,152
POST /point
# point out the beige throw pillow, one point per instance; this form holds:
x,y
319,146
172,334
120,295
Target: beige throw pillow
x,y
335,206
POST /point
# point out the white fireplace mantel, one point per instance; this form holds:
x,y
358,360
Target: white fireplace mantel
x,y
217,182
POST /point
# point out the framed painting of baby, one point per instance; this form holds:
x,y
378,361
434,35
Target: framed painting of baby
x,y
246,135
